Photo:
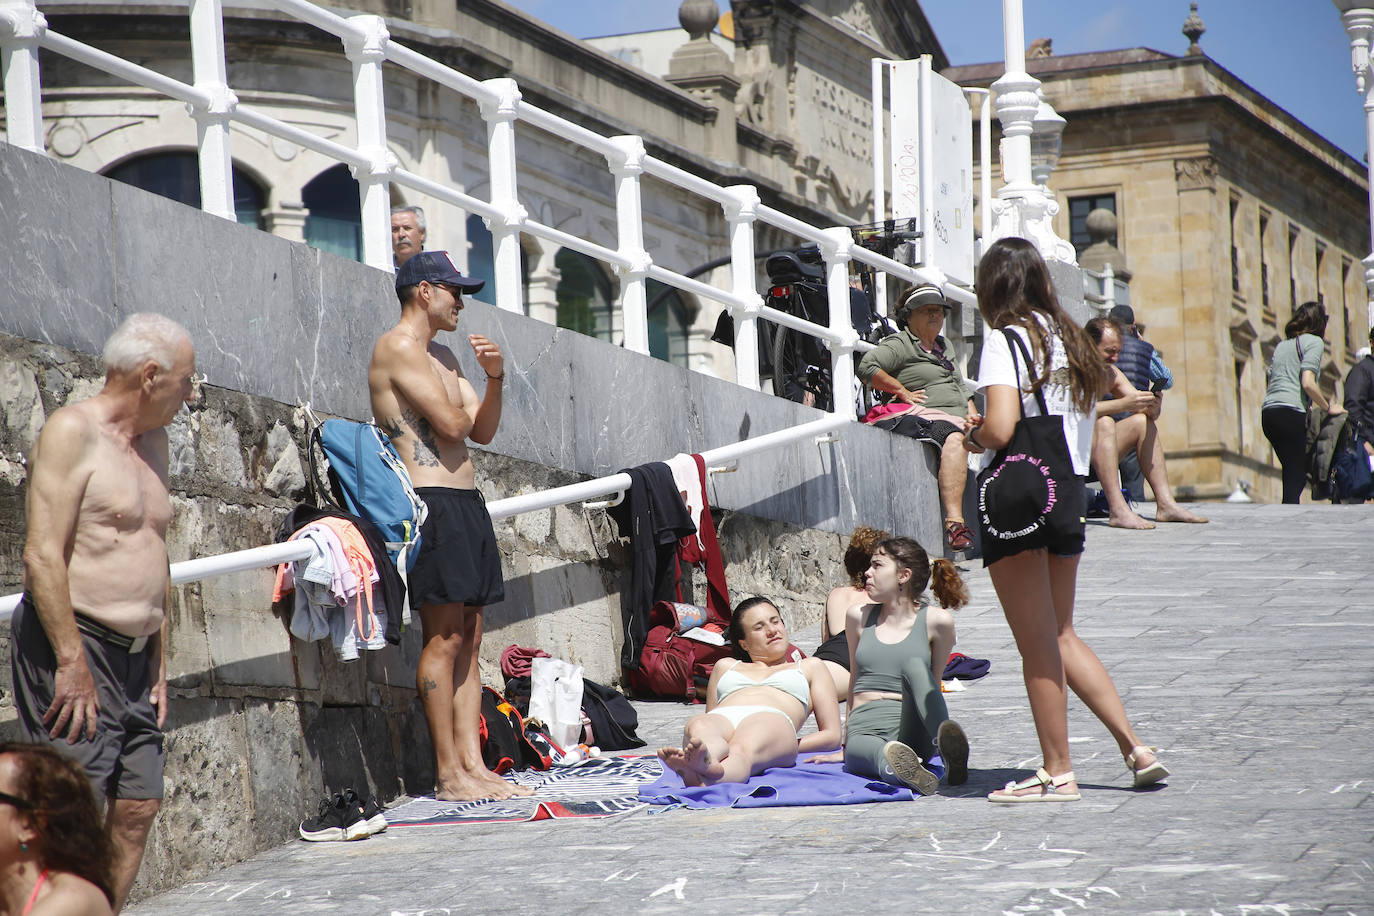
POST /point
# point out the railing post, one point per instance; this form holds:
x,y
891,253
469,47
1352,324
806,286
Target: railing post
x,y
629,216
1108,288
740,213
21,27
366,51
835,249
505,232
212,121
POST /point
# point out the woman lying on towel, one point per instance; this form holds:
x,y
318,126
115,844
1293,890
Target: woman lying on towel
x,y
755,706
898,647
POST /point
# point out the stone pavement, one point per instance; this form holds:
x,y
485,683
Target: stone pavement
x,y
1243,648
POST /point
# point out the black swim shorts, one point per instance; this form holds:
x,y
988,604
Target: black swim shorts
x,y
124,760
458,562
835,649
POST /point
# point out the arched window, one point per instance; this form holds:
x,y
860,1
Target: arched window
x,y
482,263
334,214
177,176
584,295
669,320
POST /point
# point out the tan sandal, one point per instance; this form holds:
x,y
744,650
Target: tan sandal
x,y
1146,776
1052,791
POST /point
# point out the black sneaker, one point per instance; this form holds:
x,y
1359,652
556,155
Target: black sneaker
x,y
337,820
953,745
373,819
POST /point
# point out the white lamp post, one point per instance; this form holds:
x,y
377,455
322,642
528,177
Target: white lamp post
x,y
1047,139
1023,207
1359,25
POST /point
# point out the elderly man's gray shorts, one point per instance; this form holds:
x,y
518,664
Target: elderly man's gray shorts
x,y
124,760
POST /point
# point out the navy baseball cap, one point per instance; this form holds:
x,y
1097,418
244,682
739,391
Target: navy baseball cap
x,y
1122,313
435,267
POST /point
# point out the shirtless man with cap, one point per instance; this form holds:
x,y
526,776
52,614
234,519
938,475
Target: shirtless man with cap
x,y
86,643
421,398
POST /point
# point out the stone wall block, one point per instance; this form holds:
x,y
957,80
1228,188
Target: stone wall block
x,y
534,527
285,791
351,746
181,445
286,477
537,417
573,618
220,451
236,310
247,645
56,271
20,405
207,785
414,750
395,666
341,683
643,391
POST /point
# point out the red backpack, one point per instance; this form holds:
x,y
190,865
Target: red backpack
x,y
672,666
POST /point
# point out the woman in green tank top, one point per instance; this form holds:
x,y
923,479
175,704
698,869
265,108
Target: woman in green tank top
x,y
898,727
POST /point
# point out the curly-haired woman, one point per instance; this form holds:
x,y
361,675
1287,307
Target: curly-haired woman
x,y
55,856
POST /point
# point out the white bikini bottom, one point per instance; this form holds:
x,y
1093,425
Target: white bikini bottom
x,y
737,714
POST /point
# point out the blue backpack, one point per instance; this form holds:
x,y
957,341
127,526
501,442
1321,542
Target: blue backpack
x,y
368,479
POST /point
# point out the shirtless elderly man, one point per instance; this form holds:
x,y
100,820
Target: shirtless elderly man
x,y
423,401
87,640
1139,433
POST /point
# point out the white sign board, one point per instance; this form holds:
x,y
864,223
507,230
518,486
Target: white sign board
x,y
933,143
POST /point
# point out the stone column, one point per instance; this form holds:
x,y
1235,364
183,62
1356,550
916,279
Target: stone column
x,y
1200,399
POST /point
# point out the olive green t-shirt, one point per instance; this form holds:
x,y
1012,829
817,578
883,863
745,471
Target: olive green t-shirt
x,y
901,356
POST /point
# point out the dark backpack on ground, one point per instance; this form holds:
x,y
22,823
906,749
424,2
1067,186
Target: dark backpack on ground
x,y
613,719
505,745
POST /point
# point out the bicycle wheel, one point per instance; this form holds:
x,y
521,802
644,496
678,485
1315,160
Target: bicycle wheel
x,y
798,371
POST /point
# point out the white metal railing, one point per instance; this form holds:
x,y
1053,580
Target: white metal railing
x,y
288,551
1102,289
367,44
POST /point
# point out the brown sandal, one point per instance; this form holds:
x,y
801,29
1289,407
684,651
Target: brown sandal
x,y
957,534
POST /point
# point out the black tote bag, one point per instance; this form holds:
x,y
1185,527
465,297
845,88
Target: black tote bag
x,y
1029,496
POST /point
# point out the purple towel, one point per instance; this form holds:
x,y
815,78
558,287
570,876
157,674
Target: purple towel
x,y
803,784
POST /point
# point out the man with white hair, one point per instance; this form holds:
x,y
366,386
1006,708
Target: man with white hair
x,y
86,643
407,233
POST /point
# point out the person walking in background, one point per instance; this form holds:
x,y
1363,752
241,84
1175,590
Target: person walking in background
x,y
1292,389
1037,362
1359,398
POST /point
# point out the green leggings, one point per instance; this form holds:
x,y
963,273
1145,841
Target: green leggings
x,y
912,720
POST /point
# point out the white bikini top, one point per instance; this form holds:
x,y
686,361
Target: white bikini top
x,y
790,680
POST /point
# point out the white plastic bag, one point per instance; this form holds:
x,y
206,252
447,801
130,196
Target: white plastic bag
x,y
556,698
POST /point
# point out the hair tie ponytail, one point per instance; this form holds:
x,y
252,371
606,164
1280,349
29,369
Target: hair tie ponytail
x,y
948,585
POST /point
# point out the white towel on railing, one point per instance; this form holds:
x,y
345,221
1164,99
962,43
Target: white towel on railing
x,y
688,482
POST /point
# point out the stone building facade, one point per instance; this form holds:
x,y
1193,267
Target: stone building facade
x,y
1230,212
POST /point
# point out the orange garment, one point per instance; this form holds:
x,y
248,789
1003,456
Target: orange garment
x,y
360,563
